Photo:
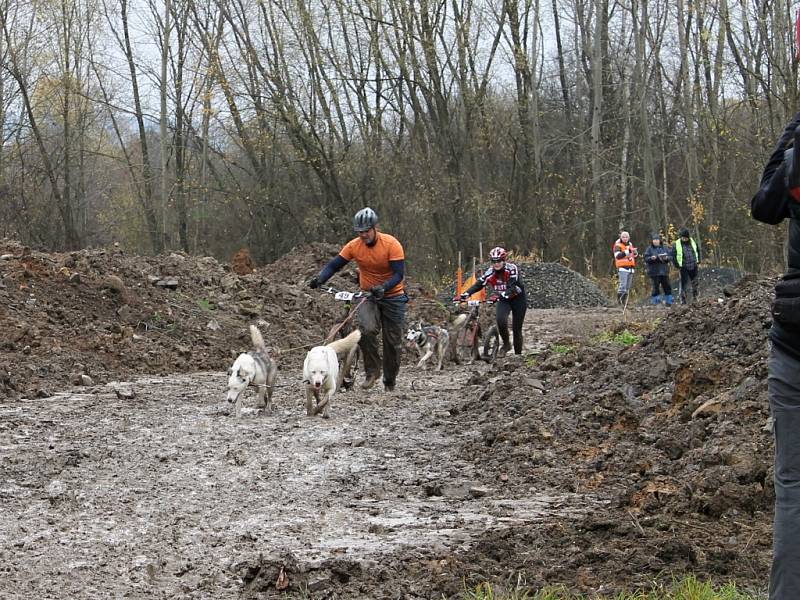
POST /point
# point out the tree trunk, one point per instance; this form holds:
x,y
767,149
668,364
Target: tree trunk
x,y
164,141
147,171
598,50
562,71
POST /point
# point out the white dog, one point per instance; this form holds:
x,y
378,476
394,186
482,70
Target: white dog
x,y
428,341
321,372
254,368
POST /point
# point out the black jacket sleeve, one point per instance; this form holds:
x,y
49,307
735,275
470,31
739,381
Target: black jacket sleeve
x,y
771,203
336,263
398,272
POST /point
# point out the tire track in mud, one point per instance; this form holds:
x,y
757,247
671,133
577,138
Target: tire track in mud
x,y
167,494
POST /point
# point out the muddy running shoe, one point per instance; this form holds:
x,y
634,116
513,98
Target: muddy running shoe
x,y
370,381
503,351
389,387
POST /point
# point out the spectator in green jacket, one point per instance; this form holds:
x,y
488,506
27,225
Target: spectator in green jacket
x,y
686,256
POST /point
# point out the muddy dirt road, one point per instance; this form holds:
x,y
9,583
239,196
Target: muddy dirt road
x,y
166,495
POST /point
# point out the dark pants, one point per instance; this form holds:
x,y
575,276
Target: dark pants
x,y
784,400
517,306
688,276
387,314
661,282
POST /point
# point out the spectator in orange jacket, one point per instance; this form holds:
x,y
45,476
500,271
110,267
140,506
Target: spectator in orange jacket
x,y
625,260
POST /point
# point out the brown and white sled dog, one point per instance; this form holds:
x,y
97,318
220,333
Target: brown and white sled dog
x,y
429,340
255,368
321,372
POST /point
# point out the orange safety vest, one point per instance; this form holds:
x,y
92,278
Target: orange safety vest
x,y
627,262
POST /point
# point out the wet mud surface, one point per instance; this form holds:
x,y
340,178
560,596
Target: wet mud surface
x,y
168,494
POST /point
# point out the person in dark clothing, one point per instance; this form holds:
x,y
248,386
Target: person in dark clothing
x,y
656,259
381,271
686,256
778,198
504,278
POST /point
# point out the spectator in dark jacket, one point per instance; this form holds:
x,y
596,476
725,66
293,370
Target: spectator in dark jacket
x,y
657,258
686,256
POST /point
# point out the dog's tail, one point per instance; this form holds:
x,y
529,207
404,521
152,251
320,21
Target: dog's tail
x,y
459,320
346,344
258,340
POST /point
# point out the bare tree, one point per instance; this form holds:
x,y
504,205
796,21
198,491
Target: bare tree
x,y
142,171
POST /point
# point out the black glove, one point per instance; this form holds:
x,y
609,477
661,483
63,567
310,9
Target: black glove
x,y
314,283
377,291
792,159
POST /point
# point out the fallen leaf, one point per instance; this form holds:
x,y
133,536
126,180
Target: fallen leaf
x,y
283,580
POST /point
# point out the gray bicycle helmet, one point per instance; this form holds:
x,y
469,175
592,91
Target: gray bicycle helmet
x,y
365,220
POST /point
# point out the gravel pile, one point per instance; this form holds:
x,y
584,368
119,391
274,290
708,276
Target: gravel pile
x,y
551,285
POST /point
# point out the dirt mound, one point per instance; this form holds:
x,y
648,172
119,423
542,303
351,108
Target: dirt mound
x,y
303,262
670,429
106,315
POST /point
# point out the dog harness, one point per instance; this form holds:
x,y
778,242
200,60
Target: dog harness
x,y
430,332
425,333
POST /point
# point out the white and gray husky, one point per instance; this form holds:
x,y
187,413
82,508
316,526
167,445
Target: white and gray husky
x,y
255,368
429,340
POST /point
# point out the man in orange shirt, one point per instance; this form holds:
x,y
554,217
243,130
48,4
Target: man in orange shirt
x,y
381,269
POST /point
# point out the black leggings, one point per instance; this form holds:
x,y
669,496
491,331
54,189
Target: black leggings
x,y
517,306
688,277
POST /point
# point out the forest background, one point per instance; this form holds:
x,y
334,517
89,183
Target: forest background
x,y
543,125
